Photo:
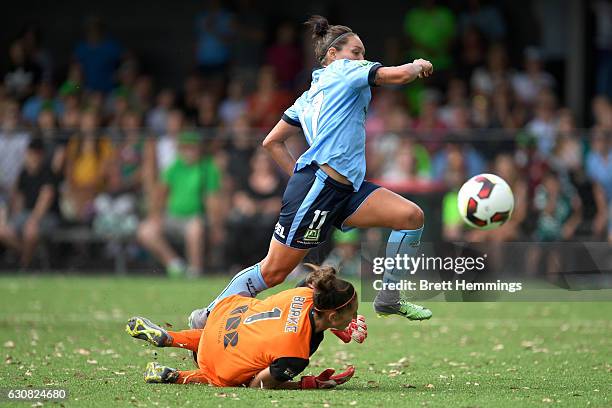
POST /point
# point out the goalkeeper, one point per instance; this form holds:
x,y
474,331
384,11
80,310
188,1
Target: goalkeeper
x,y
263,343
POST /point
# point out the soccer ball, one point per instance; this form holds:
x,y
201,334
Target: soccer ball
x,y
485,201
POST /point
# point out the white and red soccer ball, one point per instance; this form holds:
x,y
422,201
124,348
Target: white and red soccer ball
x,y
485,201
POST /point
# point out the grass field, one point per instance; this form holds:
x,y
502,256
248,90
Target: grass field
x,y
68,332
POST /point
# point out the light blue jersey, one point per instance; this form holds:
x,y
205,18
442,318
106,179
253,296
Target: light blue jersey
x,y
332,116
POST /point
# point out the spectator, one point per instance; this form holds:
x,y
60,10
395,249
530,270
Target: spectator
x,y
13,144
599,161
234,105
428,123
239,152
471,53
116,207
456,97
99,56
408,163
486,17
166,146
54,143
431,30
250,27
214,31
32,44
88,160
485,80
157,118
454,158
23,74
568,152
43,99
531,82
267,103
285,55
558,209
186,194
543,125
35,211
602,113
254,212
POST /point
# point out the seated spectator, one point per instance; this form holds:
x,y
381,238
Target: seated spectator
x,y
267,104
13,144
239,153
409,162
428,125
529,83
599,160
35,211
602,113
471,53
88,159
234,105
558,209
157,118
186,195
254,212
568,151
22,75
454,157
54,142
42,99
116,208
543,125
485,80
166,146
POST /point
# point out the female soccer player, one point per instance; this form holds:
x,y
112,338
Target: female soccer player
x,y
262,343
327,186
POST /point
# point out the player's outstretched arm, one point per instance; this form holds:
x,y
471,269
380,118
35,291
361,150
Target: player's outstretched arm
x,y
403,74
264,380
327,379
274,143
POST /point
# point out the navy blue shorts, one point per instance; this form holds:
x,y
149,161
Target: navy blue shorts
x,y
314,202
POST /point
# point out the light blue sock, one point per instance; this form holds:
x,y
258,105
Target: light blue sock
x,y
247,282
400,242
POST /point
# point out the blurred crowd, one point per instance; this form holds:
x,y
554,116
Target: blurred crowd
x,y
99,145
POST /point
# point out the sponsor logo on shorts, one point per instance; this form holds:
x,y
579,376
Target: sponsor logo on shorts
x,y
280,230
312,235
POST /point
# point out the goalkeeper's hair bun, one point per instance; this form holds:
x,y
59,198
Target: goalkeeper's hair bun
x,y
330,292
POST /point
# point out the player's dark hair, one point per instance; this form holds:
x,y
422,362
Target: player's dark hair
x,y
330,292
324,36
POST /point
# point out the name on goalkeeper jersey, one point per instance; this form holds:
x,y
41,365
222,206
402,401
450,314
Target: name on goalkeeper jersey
x,y
295,311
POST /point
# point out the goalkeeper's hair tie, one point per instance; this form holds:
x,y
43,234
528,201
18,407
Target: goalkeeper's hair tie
x,y
339,307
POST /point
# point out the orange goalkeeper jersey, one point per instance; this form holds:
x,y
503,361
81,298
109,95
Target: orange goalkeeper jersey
x,y
245,335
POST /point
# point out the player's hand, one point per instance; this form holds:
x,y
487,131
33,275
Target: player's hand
x,y
326,379
357,331
426,67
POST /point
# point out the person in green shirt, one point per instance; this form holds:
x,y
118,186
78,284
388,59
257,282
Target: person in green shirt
x,y
185,195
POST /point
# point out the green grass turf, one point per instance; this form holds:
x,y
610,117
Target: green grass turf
x,y
68,332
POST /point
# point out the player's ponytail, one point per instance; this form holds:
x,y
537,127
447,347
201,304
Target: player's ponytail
x,y
330,292
324,36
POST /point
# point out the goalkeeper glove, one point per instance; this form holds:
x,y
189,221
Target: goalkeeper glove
x,y
357,330
326,379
